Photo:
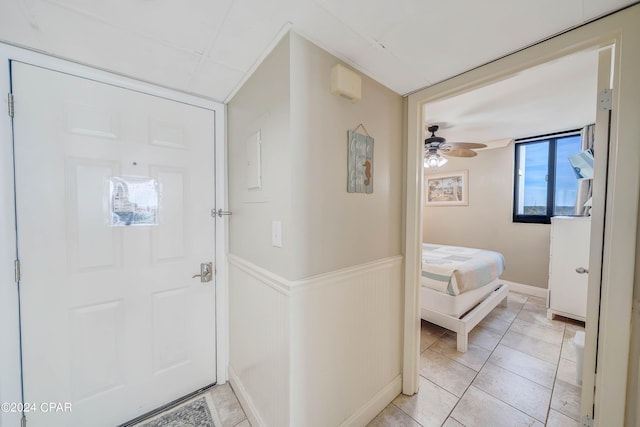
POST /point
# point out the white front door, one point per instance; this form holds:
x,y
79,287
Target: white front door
x,y
113,196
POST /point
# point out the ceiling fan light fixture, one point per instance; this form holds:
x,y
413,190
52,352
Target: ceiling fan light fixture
x,y
433,160
434,145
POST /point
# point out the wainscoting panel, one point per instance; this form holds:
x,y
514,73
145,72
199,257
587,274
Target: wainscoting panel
x,y
258,345
322,351
346,341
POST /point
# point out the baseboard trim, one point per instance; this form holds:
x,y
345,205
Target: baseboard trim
x,y
373,407
245,400
526,289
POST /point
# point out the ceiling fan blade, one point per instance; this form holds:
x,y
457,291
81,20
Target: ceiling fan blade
x,y
460,152
466,145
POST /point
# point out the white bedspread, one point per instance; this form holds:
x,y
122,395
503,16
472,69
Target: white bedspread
x,y
454,269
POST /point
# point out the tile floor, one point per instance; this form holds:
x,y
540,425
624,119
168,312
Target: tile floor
x,y
520,369
228,407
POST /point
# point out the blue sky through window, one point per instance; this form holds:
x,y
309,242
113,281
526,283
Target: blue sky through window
x,y
536,170
535,174
566,182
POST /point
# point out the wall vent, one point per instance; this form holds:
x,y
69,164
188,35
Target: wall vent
x,y
346,83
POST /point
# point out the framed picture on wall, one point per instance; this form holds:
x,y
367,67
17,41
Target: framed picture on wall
x,y
447,189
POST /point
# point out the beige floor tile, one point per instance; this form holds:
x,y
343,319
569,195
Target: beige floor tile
x,y
484,337
226,403
566,399
531,354
536,304
477,408
432,327
513,304
568,347
521,393
448,374
244,423
532,346
474,357
429,333
567,372
430,406
517,298
452,423
539,332
392,416
541,319
530,367
504,314
500,326
556,419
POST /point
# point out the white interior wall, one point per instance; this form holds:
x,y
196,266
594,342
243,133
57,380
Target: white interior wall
x,y
262,105
487,221
348,327
258,313
331,296
340,229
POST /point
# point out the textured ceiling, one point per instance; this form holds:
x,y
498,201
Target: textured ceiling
x,y
557,96
209,47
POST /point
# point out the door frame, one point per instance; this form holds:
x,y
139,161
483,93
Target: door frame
x,y
10,386
623,185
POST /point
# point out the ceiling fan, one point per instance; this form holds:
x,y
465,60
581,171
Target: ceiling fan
x,y
436,146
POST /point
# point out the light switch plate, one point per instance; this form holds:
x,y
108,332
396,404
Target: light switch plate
x,y
276,234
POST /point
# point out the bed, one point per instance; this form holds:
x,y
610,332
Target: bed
x,y
459,287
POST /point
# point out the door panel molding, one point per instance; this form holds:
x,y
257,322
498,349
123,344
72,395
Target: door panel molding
x,y
10,390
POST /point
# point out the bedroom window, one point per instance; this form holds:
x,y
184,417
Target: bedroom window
x,y
544,182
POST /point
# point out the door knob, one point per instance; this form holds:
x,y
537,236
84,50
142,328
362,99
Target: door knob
x,y
206,272
582,270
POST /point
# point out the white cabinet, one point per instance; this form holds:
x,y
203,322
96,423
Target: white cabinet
x,y
569,252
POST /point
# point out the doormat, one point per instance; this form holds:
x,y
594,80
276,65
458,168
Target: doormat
x,y
198,412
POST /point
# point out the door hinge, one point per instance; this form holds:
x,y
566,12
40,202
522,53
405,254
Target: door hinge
x,y
16,269
10,104
587,421
605,99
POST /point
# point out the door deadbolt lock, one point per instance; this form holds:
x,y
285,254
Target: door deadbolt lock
x,y
206,272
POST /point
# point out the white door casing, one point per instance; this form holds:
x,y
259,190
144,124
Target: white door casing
x,y
113,323
602,146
